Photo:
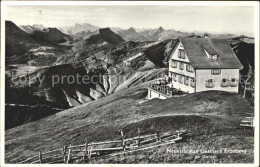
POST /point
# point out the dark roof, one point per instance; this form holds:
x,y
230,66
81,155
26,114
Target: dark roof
x,y
194,48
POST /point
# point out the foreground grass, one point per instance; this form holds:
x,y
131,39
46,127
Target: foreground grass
x,y
205,113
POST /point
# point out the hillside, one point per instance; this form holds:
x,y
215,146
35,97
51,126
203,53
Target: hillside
x,y
211,117
40,48
50,35
244,49
17,41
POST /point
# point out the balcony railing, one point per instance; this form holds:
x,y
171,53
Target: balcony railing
x,y
209,85
233,84
161,86
163,89
224,84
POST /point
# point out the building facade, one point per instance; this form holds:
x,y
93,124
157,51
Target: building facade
x,y
202,64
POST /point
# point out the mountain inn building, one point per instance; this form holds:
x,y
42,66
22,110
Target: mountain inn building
x,y
196,65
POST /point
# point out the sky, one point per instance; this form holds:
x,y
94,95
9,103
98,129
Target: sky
x,y
219,19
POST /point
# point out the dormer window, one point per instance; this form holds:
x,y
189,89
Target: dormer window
x,y
214,57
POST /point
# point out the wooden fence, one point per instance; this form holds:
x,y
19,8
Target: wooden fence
x,y
84,152
248,121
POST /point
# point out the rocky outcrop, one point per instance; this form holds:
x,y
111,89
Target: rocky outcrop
x,y
50,35
109,36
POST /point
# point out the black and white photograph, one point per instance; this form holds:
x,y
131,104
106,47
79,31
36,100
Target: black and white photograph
x,y
131,82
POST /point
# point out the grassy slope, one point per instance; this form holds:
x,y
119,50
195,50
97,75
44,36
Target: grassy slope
x,y
208,113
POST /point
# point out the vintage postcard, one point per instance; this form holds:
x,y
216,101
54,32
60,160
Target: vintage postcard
x,y
131,82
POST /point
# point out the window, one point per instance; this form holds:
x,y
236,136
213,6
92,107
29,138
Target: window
x,y
215,71
187,67
181,66
234,82
191,69
173,64
192,82
180,79
224,82
209,83
174,77
186,80
181,54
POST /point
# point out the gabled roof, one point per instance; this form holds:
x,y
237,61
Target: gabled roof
x,y
194,48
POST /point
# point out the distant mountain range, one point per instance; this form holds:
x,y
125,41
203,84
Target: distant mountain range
x,y
31,28
131,34
77,28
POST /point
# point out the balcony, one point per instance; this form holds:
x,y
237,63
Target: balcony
x,y
161,86
209,85
224,84
162,89
233,84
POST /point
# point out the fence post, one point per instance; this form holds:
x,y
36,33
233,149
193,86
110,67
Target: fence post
x,y
64,153
158,136
40,157
122,140
86,148
89,152
68,159
139,136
